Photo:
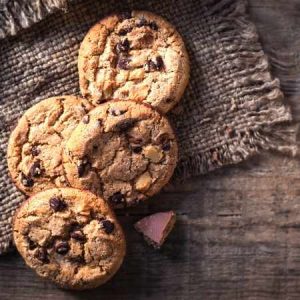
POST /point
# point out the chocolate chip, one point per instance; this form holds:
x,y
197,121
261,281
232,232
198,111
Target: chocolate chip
x,y
35,170
124,31
166,146
123,46
62,248
31,244
117,112
136,149
100,122
78,235
108,226
41,255
123,63
57,204
83,167
159,63
86,119
35,151
156,65
141,22
125,15
153,25
26,180
126,124
150,66
117,198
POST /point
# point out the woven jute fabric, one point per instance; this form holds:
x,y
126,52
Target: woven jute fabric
x,y
228,112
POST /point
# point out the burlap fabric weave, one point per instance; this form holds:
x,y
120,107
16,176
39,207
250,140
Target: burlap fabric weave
x,y
228,111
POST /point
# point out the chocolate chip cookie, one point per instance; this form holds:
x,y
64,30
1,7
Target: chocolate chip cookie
x,y
137,56
123,150
34,152
70,237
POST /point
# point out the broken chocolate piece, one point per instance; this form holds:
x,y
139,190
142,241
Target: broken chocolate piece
x,y
155,228
26,180
108,226
57,204
62,247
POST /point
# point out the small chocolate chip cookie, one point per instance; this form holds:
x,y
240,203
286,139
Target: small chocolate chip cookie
x,y
70,237
122,150
137,56
34,152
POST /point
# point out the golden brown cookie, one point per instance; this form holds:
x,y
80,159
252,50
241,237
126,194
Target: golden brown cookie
x,y
34,153
122,150
70,237
137,56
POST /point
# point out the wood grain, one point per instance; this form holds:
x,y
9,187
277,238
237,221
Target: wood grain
x,y
238,229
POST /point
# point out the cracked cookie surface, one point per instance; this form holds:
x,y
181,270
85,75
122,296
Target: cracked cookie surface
x,y
122,150
137,56
34,153
70,237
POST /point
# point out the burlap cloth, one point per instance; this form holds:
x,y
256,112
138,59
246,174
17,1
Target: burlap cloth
x,y
229,109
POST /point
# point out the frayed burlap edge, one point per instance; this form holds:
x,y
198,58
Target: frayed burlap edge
x,y
267,136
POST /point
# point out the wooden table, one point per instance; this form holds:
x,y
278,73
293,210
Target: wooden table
x,y
238,229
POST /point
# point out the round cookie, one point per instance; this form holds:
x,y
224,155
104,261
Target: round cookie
x,y
70,237
137,56
122,150
34,153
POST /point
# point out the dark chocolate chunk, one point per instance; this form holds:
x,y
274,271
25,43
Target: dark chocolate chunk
x,y
125,15
123,46
31,244
78,235
26,180
150,66
125,124
153,25
124,31
41,255
117,112
86,119
36,170
159,63
141,22
62,247
35,151
117,198
83,167
166,146
136,149
123,63
155,228
108,226
57,204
